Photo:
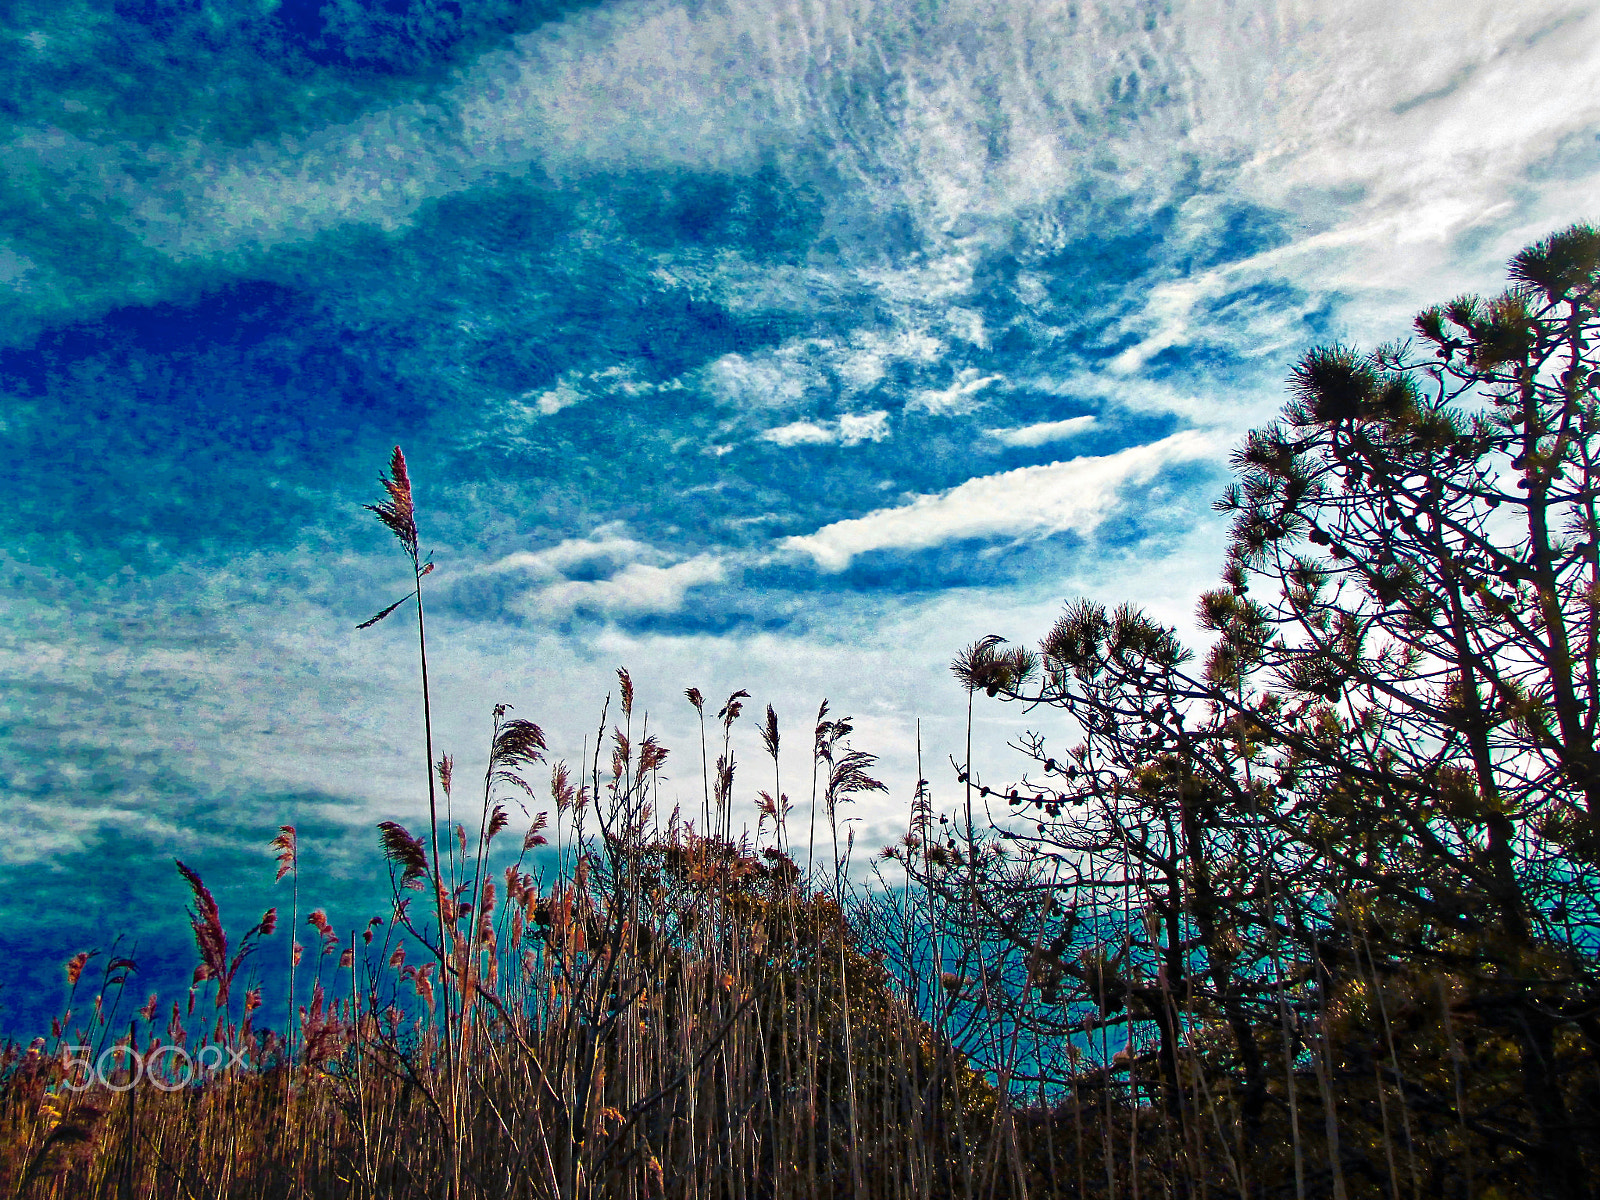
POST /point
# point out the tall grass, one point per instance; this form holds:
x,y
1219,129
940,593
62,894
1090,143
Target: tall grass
x,y
646,1011
630,1002
641,1010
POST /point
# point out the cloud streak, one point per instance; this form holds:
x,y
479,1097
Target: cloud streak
x,y
1044,432
625,578
851,429
637,589
959,398
1029,502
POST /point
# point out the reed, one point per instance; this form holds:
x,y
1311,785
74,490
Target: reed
x,y
653,1007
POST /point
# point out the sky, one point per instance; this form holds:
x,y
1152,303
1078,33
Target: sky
x,y
784,347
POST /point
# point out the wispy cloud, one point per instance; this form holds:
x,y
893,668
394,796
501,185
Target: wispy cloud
x,y
607,574
608,544
637,589
1044,432
863,427
552,400
994,107
851,429
801,433
786,374
959,398
1027,502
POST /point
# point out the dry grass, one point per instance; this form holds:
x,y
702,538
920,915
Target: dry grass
x,y
653,1012
664,1014
640,1006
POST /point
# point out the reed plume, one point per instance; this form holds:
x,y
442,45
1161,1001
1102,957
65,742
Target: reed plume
x,y
206,921
405,851
398,512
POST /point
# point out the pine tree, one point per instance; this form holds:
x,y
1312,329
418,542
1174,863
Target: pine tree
x,y
1385,764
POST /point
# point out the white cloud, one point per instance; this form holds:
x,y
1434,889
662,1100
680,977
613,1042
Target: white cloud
x,y
606,543
766,379
784,375
1028,502
959,398
863,427
636,589
639,579
866,359
801,433
851,429
553,400
570,389
512,421
1044,432
967,324
1135,394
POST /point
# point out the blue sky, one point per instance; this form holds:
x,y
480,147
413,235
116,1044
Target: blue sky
x,y
774,346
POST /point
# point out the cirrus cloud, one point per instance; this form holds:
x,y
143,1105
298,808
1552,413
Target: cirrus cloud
x,y
851,429
637,589
1075,496
1044,432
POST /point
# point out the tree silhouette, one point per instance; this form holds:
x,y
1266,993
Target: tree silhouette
x,y
1381,780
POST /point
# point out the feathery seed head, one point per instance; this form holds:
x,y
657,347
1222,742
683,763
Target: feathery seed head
x,y
561,787
651,754
284,847
405,851
769,732
209,939
731,710
397,512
